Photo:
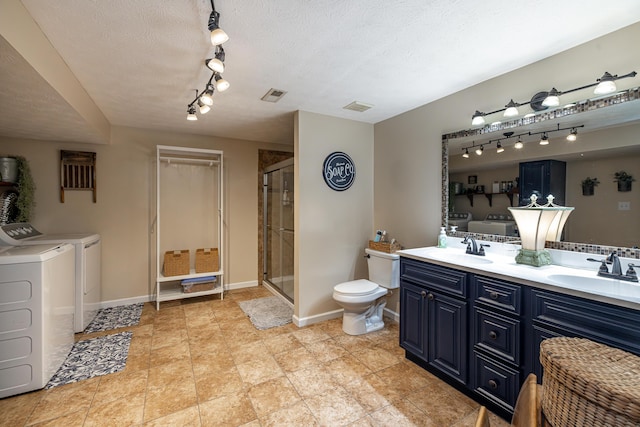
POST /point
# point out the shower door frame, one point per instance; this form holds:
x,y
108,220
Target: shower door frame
x,y
267,236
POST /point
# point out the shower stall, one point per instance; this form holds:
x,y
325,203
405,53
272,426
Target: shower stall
x,y
278,186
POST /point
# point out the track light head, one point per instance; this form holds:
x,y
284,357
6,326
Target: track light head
x,y
218,36
479,150
573,135
552,99
204,108
606,84
477,118
466,153
207,96
518,145
191,113
512,109
221,83
544,140
499,148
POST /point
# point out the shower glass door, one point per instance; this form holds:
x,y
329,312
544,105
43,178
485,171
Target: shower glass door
x,y
278,227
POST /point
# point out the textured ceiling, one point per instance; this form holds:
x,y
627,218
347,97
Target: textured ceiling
x,y
140,60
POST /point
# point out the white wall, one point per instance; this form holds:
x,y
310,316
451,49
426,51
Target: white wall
x,y
332,227
123,213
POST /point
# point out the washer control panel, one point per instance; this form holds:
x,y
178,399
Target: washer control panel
x,y
13,234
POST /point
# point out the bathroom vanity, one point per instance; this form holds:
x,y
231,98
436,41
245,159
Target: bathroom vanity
x,y
477,322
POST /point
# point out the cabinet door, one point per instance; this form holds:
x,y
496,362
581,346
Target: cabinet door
x,y
542,178
447,335
413,319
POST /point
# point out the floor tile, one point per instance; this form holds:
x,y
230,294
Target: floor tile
x,y
230,410
64,400
296,415
189,417
272,395
127,410
335,407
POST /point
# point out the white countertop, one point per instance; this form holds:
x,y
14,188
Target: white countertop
x,y
500,262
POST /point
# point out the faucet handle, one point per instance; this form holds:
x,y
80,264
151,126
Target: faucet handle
x,y
630,271
603,267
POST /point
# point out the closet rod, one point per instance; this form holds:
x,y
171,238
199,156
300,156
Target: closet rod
x,y
210,162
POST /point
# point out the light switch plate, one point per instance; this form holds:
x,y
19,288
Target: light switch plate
x,y
624,206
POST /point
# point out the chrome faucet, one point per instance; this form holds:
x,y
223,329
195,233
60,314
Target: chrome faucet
x,y
616,268
472,246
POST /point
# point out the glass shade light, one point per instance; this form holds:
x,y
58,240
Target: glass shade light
x,y
544,140
221,83
215,64
537,224
477,118
207,96
518,145
499,148
552,99
573,135
480,150
606,85
512,109
218,36
204,108
191,113
466,153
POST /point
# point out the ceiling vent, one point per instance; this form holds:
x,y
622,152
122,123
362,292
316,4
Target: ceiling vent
x,y
357,106
273,95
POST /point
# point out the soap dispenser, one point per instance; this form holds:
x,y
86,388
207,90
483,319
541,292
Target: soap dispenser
x,y
442,238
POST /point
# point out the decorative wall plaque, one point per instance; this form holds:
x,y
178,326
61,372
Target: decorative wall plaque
x,y
338,171
77,172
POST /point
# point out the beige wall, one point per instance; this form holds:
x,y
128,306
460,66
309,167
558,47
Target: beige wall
x,y
332,227
408,147
123,213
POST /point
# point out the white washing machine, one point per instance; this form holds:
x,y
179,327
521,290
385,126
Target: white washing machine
x,y
36,314
87,265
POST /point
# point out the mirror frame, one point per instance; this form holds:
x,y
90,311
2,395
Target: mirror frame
x,y
577,108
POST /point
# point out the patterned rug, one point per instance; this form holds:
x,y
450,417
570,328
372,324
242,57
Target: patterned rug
x,y
267,312
93,357
115,317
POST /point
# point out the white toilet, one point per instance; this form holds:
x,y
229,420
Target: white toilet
x,y
364,300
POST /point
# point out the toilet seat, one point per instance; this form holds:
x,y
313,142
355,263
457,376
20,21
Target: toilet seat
x,y
356,288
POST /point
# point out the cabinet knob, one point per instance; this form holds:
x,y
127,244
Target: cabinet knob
x,y
493,335
431,297
493,384
493,295
423,293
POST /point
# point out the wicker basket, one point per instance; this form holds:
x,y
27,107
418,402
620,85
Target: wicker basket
x,y
384,246
589,384
207,260
176,263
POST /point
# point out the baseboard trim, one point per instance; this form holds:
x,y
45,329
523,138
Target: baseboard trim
x,y
310,320
241,285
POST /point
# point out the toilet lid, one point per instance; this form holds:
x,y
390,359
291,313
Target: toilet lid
x,y
356,287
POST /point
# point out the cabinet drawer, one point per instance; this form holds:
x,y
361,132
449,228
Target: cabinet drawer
x,y
496,382
498,293
434,276
496,334
571,316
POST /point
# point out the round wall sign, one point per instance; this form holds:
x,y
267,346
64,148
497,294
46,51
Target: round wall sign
x,y
338,171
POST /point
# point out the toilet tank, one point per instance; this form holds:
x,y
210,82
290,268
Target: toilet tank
x,y
384,268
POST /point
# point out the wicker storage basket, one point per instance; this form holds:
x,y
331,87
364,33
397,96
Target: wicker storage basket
x,y
207,260
176,263
384,246
589,384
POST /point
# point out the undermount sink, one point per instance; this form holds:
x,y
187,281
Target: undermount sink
x,y
463,259
570,280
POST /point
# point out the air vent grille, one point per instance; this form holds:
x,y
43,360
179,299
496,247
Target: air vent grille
x,y
273,95
358,106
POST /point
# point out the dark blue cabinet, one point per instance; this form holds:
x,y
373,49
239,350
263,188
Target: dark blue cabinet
x,y
483,334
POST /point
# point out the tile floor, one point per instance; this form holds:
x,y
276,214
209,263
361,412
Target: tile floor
x,y
200,362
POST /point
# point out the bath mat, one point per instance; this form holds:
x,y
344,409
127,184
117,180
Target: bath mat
x,y
267,312
115,317
93,357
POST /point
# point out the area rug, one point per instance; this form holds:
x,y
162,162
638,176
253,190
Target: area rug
x,y
267,312
93,357
115,317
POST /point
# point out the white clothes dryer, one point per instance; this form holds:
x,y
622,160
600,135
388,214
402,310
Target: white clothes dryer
x,y
36,314
87,264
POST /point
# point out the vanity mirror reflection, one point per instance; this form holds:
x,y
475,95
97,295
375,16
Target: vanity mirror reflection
x,y
608,139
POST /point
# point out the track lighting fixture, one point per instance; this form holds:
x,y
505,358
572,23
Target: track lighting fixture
x,y
544,100
216,65
544,140
218,36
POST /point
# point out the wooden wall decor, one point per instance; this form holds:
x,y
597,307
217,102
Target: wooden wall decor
x,y
77,172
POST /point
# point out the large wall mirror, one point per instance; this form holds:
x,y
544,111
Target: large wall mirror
x,y
608,141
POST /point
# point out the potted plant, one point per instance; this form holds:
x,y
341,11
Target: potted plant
x,y
624,180
26,191
588,184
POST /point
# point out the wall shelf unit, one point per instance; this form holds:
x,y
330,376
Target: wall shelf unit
x,y
489,196
189,215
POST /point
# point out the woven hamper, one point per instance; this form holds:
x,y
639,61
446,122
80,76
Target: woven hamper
x,y
589,384
384,246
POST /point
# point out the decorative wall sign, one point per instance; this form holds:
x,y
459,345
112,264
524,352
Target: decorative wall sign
x,y
338,171
77,172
